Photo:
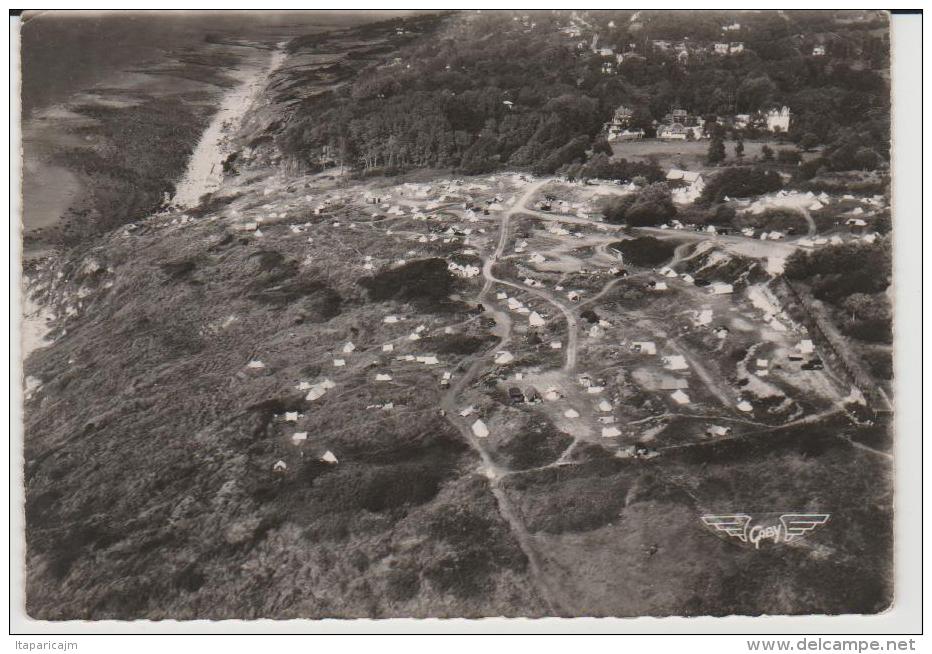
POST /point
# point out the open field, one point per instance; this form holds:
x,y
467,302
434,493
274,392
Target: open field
x,y
688,155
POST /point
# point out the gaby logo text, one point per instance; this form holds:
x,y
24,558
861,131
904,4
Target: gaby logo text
x,y
791,526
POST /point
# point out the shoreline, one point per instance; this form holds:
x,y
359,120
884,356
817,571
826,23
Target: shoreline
x,y
204,172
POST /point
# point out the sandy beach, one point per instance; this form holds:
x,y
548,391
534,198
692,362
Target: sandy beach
x,y
205,168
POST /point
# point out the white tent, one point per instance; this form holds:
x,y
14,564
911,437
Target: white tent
x,y
644,347
318,389
329,457
479,429
552,395
675,362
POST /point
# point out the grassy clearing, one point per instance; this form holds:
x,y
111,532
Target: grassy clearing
x,y
686,155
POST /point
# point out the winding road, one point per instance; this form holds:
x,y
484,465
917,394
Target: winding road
x,y
450,405
551,593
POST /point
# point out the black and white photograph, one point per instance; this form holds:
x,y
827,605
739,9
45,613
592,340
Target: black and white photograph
x,y
535,313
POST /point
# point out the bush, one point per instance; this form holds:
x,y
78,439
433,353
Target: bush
x,y
716,153
646,251
425,282
867,317
536,445
780,219
616,209
651,205
808,141
789,157
741,182
866,159
723,215
462,344
837,271
376,488
809,169
601,167
879,362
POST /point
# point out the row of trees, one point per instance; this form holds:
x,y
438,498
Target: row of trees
x,y
600,166
853,278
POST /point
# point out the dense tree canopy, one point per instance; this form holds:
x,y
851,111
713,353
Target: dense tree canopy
x,y
853,278
482,91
